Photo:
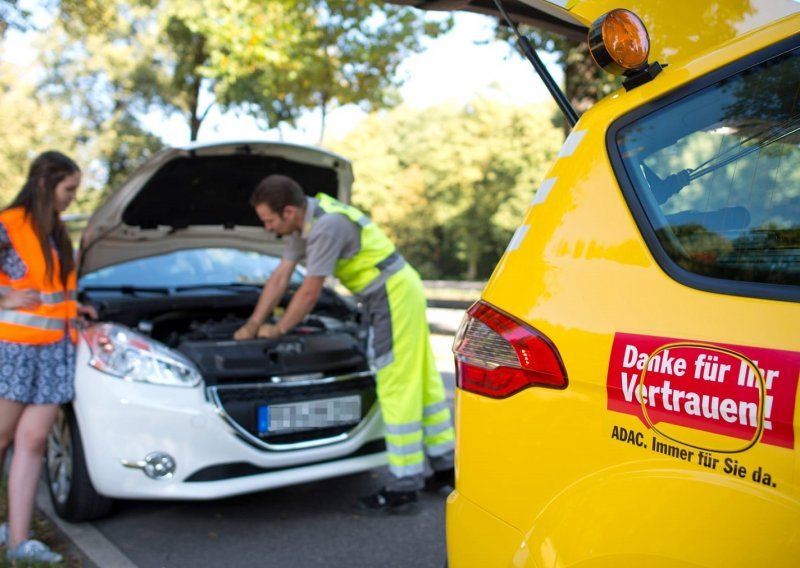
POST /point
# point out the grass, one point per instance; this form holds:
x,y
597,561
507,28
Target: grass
x,y
43,530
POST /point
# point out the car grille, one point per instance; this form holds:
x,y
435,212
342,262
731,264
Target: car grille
x,y
239,406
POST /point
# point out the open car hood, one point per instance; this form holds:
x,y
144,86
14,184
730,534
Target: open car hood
x,y
199,196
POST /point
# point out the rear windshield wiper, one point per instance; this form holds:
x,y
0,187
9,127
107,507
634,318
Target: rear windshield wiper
x,y
663,189
762,139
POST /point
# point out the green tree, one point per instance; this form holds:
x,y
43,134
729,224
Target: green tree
x,y
29,125
272,60
584,82
12,16
102,88
450,183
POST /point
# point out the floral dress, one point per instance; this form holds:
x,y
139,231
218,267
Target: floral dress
x,y
33,374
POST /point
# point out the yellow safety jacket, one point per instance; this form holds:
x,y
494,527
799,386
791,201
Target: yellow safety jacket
x,y
410,390
57,313
377,251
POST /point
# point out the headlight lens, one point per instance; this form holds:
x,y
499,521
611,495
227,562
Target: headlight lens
x,y
123,353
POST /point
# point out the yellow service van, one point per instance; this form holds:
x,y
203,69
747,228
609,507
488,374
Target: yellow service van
x,y
627,385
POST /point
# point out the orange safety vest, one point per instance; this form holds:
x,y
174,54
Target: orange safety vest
x,y
57,314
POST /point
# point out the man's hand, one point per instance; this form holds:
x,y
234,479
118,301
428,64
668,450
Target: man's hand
x,y
269,331
247,331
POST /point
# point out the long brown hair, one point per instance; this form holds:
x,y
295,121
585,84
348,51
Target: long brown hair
x,y
36,196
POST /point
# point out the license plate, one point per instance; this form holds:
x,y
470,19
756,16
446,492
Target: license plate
x,y
309,414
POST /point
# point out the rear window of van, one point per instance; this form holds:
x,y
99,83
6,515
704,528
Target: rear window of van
x,y
717,174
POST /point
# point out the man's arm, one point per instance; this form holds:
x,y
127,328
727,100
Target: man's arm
x,y
270,296
299,307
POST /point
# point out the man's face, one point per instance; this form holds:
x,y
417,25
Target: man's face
x,y
281,224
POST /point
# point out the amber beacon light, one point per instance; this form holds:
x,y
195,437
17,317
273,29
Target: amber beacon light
x,y
619,43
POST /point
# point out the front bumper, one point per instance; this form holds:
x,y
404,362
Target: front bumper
x,y
122,422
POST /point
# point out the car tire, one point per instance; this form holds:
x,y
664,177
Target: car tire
x,y
72,494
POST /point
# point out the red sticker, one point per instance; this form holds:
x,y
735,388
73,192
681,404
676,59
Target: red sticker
x,y
724,389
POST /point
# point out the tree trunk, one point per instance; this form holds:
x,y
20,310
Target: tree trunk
x,y
196,82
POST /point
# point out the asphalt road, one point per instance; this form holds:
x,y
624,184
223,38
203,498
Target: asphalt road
x,y
304,526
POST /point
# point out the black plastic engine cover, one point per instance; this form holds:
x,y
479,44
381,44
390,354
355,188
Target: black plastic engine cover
x,y
235,362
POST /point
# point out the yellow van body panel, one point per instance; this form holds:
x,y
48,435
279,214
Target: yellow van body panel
x,y
680,29
555,477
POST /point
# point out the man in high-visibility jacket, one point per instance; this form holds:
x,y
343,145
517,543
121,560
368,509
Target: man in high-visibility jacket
x,y
337,239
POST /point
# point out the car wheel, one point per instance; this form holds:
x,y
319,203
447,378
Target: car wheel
x,y
71,491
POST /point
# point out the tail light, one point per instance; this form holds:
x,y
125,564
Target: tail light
x,y
498,356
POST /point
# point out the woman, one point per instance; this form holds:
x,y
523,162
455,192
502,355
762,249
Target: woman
x,y
38,311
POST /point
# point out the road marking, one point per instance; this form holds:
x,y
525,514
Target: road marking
x,y
92,543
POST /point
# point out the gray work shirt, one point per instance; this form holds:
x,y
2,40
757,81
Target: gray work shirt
x,y
325,238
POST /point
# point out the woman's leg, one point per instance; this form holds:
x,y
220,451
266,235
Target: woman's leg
x,y
9,414
26,464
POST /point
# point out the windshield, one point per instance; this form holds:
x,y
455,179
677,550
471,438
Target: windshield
x,y
194,267
718,175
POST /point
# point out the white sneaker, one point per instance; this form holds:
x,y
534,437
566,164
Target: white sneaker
x,y
33,551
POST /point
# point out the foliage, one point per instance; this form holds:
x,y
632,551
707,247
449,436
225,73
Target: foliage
x,y
12,16
584,82
102,66
28,126
450,183
273,60
94,86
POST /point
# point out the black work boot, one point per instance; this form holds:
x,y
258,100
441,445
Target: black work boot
x,y
440,479
389,502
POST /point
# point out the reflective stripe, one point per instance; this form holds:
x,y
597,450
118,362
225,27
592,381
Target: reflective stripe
x,y
405,449
407,470
387,262
20,318
518,237
544,190
560,3
383,360
407,428
387,269
363,221
380,345
48,299
432,409
437,450
571,143
437,428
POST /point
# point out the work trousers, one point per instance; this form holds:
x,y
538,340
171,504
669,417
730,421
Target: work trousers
x,y
410,389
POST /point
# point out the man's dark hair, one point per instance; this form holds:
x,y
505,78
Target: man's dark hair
x,y
276,192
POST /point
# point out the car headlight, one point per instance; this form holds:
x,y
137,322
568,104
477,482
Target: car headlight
x,y
123,353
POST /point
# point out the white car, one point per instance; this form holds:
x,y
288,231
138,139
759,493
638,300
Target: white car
x,y
168,405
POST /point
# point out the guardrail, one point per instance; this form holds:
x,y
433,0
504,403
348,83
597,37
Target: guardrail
x,y
452,294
